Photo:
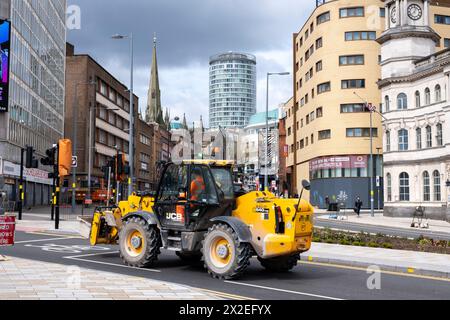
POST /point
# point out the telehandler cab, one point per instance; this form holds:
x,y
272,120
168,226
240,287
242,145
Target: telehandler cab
x,y
199,214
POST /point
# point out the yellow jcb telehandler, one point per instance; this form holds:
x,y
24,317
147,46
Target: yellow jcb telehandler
x,y
198,213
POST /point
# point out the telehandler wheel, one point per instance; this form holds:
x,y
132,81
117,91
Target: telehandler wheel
x,y
280,264
139,243
224,255
189,257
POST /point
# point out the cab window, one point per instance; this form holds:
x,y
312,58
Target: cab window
x,y
224,181
173,183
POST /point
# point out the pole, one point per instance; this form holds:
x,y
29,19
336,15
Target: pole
x,y
90,152
266,176
21,193
58,184
74,130
379,181
109,187
372,200
53,198
131,144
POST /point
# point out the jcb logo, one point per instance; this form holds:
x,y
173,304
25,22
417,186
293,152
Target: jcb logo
x,y
174,217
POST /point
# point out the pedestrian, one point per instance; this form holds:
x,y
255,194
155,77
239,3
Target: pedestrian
x,y
327,202
358,206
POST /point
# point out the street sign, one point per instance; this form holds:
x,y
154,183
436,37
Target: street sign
x,y
75,162
7,230
378,181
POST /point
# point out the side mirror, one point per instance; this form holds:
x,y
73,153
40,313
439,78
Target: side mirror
x,y
306,185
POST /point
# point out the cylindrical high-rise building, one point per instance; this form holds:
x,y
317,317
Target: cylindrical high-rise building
x,y
232,89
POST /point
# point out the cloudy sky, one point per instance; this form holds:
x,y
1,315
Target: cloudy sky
x,y
189,32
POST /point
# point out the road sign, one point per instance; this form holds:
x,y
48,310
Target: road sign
x,y
378,181
74,162
7,230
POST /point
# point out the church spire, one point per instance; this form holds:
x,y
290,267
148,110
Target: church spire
x,y
185,126
154,110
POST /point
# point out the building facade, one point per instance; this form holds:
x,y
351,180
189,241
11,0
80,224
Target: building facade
x,y
232,90
415,87
98,106
35,116
337,68
145,170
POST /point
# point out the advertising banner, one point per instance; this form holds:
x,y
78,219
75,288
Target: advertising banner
x,y
339,162
7,230
5,34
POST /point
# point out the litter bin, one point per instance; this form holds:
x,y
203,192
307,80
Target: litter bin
x,y
333,207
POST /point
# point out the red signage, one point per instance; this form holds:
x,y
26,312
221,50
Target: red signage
x,y
338,162
7,230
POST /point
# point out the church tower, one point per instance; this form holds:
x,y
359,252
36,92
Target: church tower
x,y
408,36
154,113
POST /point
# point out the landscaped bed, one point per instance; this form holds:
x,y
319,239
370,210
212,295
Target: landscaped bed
x,y
380,241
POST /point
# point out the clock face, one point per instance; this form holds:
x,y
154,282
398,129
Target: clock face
x,y
394,15
414,12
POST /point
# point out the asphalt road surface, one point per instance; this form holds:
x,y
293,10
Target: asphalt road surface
x,y
307,281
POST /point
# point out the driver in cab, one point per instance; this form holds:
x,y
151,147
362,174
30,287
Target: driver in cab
x,y
197,185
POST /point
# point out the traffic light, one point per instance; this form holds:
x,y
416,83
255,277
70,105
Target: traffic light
x,y
30,162
106,172
50,159
65,157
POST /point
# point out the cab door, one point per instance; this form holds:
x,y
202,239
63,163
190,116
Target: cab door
x,y
171,200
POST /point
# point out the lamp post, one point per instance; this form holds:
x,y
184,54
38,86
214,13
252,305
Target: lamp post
x,y
266,176
379,180
75,106
131,144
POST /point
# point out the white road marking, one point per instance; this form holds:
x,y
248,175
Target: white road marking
x,y
43,240
79,258
283,290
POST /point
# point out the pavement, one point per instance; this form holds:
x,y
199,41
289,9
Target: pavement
x,y
438,230
24,279
311,280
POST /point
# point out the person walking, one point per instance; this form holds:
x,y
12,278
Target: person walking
x,y
358,206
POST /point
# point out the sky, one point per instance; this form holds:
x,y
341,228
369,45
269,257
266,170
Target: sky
x,y
188,33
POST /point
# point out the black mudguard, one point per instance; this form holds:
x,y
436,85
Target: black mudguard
x,y
237,225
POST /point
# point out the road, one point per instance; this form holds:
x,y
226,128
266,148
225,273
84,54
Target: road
x,y
389,231
307,281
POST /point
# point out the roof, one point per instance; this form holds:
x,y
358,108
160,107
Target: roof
x,y
213,163
260,118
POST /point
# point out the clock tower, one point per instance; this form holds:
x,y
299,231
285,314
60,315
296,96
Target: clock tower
x,y
408,36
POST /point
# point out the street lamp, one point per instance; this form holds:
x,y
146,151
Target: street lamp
x,y
266,177
131,144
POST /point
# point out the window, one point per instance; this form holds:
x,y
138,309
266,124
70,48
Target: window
x,y
446,43
319,66
386,104
403,140
429,137
360,35
389,187
319,43
312,139
402,101
417,95
319,112
437,93
382,12
439,140
437,186
324,87
103,88
112,95
324,17
309,53
353,108
361,132
426,186
388,141
311,27
404,186
440,19
427,96
353,84
306,34
351,60
324,134
351,12
419,138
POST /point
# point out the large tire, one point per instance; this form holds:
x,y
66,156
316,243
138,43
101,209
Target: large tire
x,y
280,264
189,257
225,257
139,243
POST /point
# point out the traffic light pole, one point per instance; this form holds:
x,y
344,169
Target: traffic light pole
x,y
57,188
21,193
